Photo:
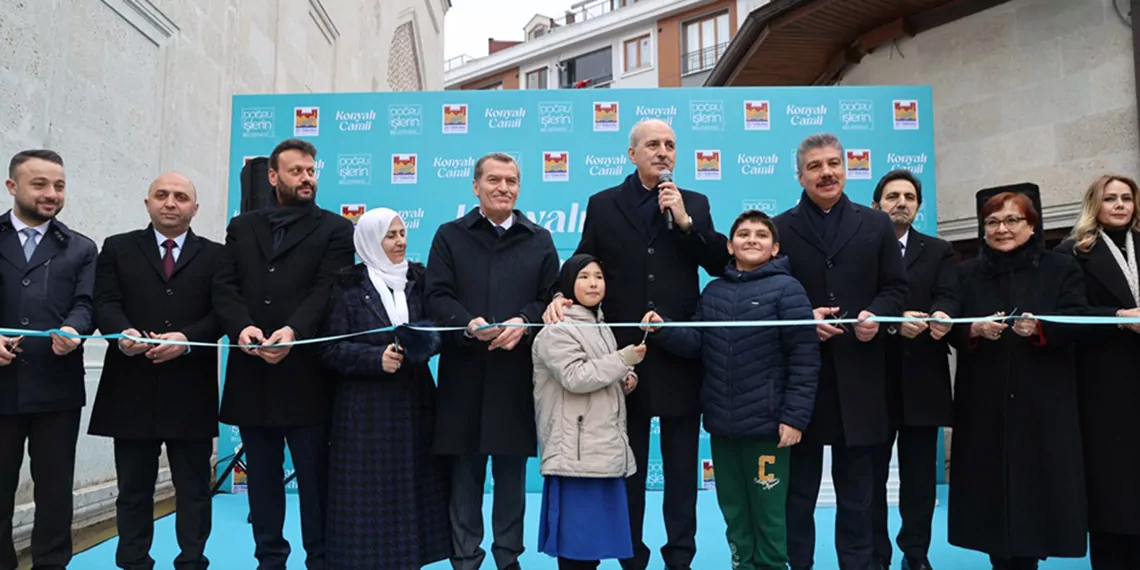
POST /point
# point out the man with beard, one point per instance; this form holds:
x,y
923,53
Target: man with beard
x,y
159,282
284,261
918,376
48,272
847,258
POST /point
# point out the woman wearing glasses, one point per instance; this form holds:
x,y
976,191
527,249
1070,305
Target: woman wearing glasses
x,y
1017,484
1104,242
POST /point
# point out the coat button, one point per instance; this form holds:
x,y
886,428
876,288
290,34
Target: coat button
x,y
830,264
26,282
24,321
651,251
168,324
169,291
651,305
831,296
651,278
272,269
269,300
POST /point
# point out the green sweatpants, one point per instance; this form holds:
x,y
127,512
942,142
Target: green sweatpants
x,y
751,477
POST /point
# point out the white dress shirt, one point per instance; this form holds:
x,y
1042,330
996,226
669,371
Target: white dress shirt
x,y
178,241
20,226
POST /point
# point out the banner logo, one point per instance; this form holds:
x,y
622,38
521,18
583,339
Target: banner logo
x,y
906,114
411,218
915,163
708,474
805,116
306,121
606,165
757,164
352,212
707,115
407,120
555,166
257,122
454,167
455,119
708,164
756,117
354,169
857,114
858,164
606,117
403,169
504,118
556,117
355,122
666,114
766,205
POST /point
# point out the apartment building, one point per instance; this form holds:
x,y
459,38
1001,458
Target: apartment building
x,y
607,43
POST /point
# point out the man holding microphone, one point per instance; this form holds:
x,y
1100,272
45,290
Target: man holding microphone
x,y
652,238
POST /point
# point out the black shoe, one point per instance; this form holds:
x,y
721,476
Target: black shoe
x,y
916,564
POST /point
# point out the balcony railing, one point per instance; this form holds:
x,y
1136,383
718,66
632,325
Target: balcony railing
x,y
457,61
702,59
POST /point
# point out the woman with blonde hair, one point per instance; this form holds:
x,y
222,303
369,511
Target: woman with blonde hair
x,y
1104,242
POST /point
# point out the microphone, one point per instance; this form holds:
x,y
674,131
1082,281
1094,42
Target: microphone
x,y
663,177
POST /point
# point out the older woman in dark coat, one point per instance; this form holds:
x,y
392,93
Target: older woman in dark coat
x,y
1104,242
387,490
1017,485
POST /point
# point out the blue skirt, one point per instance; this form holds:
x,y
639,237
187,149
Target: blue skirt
x,y
584,519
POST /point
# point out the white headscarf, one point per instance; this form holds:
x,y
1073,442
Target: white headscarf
x,y
388,278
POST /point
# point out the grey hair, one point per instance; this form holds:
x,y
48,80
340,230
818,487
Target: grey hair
x,y
498,157
636,130
819,140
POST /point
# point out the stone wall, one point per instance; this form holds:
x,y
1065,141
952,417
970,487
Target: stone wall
x,y
127,89
1036,91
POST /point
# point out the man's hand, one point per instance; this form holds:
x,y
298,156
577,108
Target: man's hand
x,y
63,345
274,354
914,328
1130,314
509,338
392,359
865,329
482,334
553,312
823,330
651,317
160,353
1026,326
988,329
669,198
130,347
9,347
249,340
939,330
789,436
629,384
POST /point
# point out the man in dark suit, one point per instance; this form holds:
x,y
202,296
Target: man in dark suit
x,y
48,273
918,376
652,267
159,282
491,266
847,258
285,259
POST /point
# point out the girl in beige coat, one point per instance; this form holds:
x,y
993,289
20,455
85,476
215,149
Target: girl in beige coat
x,y
580,383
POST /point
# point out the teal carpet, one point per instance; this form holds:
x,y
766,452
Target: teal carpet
x,y
231,543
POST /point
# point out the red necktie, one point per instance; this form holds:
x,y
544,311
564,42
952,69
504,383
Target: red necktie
x,y
168,259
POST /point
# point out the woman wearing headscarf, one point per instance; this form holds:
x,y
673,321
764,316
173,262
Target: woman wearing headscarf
x,y
1016,484
580,382
387,505
1104,242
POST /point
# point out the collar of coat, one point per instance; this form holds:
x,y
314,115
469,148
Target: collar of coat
x,y
476,215
56,229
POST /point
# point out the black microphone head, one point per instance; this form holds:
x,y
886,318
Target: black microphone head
x,y
664,176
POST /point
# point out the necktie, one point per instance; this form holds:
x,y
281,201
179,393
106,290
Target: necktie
x,y
902,249
500,230
30,243
168,259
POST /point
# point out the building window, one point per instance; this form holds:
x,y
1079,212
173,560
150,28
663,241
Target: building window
x,y
536,79
496,86
537,32
589,70
637,54
706,39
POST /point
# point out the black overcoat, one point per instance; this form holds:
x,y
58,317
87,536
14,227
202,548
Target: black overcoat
x,y
486,398
272,289
1016,481
138,399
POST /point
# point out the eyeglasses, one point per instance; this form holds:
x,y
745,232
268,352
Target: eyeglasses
x,y
1011,222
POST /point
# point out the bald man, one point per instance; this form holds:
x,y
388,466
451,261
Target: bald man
x,y
650,267
159,283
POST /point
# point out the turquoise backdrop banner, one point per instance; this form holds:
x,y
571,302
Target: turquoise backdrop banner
x,y
415,152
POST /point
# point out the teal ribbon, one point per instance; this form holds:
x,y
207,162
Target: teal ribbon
x,y
1058,319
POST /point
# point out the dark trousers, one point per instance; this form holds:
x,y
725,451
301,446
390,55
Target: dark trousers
x,y
468,475
51,441
1114,551
1018,563
136,464
265,456
568,564
680,437
853,472
918,477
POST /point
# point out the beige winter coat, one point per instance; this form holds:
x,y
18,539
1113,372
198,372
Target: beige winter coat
x,y
579,401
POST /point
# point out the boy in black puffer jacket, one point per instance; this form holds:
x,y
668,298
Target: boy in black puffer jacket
x,y
758,388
